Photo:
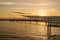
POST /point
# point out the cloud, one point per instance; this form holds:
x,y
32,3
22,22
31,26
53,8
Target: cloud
x,y
31,3
7,3
19,12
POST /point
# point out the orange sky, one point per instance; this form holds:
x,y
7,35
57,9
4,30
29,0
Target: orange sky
x,y
31,7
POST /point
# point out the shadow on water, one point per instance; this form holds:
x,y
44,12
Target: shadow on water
x,y
55,37
12,37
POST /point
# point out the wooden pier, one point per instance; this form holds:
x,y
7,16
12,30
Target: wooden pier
x,y
53,21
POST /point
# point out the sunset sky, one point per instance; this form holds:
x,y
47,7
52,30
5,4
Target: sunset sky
x,y
31,7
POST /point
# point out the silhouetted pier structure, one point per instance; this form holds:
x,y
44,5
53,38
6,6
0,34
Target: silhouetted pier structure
x,y
51,21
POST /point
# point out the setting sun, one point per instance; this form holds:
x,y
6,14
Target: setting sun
x,y
42,12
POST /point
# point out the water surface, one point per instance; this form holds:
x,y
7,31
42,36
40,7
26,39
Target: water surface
x,y
25,31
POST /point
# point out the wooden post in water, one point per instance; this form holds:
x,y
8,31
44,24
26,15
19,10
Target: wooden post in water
x,y
30,21
49,29
25,21
36,22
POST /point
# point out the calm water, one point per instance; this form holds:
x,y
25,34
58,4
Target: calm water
x,y
25,31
